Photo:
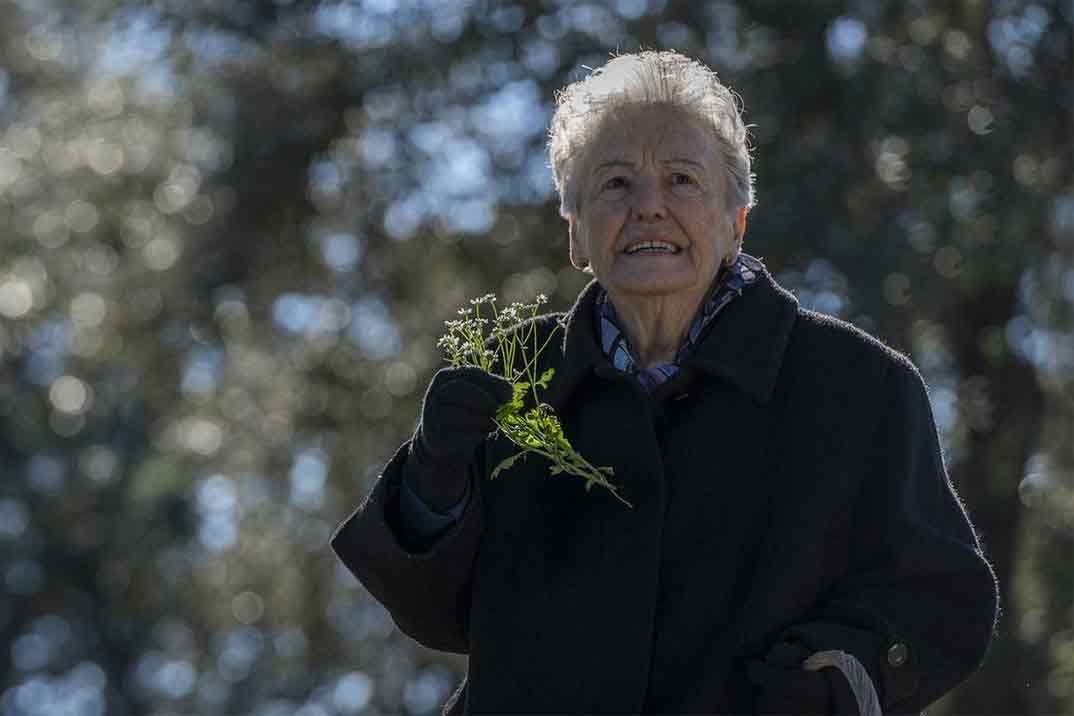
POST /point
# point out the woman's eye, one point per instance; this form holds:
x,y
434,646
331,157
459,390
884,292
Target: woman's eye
x,y
685,184
615,183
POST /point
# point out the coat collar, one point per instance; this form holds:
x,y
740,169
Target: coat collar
x,y
745,346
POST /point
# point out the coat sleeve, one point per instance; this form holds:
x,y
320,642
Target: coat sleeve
x,y
918,604
427,592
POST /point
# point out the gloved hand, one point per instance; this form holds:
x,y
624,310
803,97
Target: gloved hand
x,y
783,687
457,414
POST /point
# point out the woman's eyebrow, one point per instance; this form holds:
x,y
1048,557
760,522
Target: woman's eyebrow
x,y
630,165
612,163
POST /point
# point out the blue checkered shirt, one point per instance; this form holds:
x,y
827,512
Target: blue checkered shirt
x,y
728,284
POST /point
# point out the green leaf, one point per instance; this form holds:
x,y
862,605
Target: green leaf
x,y
506,412
546,377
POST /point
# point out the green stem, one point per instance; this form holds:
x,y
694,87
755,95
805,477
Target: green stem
x,y
571,463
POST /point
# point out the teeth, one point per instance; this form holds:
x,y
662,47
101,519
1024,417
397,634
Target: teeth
x,y
658,245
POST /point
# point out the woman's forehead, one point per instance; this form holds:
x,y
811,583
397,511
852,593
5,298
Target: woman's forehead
x,y
638,133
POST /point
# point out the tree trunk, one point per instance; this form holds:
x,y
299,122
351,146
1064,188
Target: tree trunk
x,y
988,479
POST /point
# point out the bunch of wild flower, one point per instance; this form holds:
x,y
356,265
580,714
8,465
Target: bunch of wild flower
x,y
488,337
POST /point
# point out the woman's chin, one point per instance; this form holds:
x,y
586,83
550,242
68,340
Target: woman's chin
x,y
658,278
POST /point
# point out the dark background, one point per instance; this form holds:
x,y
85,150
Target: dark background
x,y
230,233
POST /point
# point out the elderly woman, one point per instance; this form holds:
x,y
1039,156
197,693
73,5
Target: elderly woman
x,y
794,544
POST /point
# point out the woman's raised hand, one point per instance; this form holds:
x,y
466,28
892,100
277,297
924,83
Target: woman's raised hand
x,y
458,412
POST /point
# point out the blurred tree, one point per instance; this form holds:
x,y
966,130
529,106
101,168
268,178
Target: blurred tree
x,y
231,232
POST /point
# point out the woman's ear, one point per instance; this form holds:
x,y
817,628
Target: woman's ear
x,y
578,255
740,225
738,231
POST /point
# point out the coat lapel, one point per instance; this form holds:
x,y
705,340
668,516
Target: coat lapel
x,y
578,353
747,344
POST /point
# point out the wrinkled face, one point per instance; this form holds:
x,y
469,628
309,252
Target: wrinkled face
x,y
652,219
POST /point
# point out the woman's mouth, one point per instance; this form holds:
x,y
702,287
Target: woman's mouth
x,y
651,247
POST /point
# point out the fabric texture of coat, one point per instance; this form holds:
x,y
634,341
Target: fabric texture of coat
x,y
788,483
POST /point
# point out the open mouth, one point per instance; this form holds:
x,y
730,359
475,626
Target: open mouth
x,y
651,247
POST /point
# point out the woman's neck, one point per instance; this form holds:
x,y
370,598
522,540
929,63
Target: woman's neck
x,y
655,326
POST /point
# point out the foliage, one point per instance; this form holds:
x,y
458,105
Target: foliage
x,y
536,429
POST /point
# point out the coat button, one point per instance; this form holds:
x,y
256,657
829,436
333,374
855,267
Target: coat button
x,y
898,654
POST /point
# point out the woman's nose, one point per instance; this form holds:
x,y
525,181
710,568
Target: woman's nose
x,y
649,202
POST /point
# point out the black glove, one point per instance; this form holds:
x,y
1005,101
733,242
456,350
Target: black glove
x,y
782,686
457,414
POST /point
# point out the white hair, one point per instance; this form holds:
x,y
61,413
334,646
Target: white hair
x,y
647,78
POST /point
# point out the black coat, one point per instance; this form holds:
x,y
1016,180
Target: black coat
x,y
788,481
